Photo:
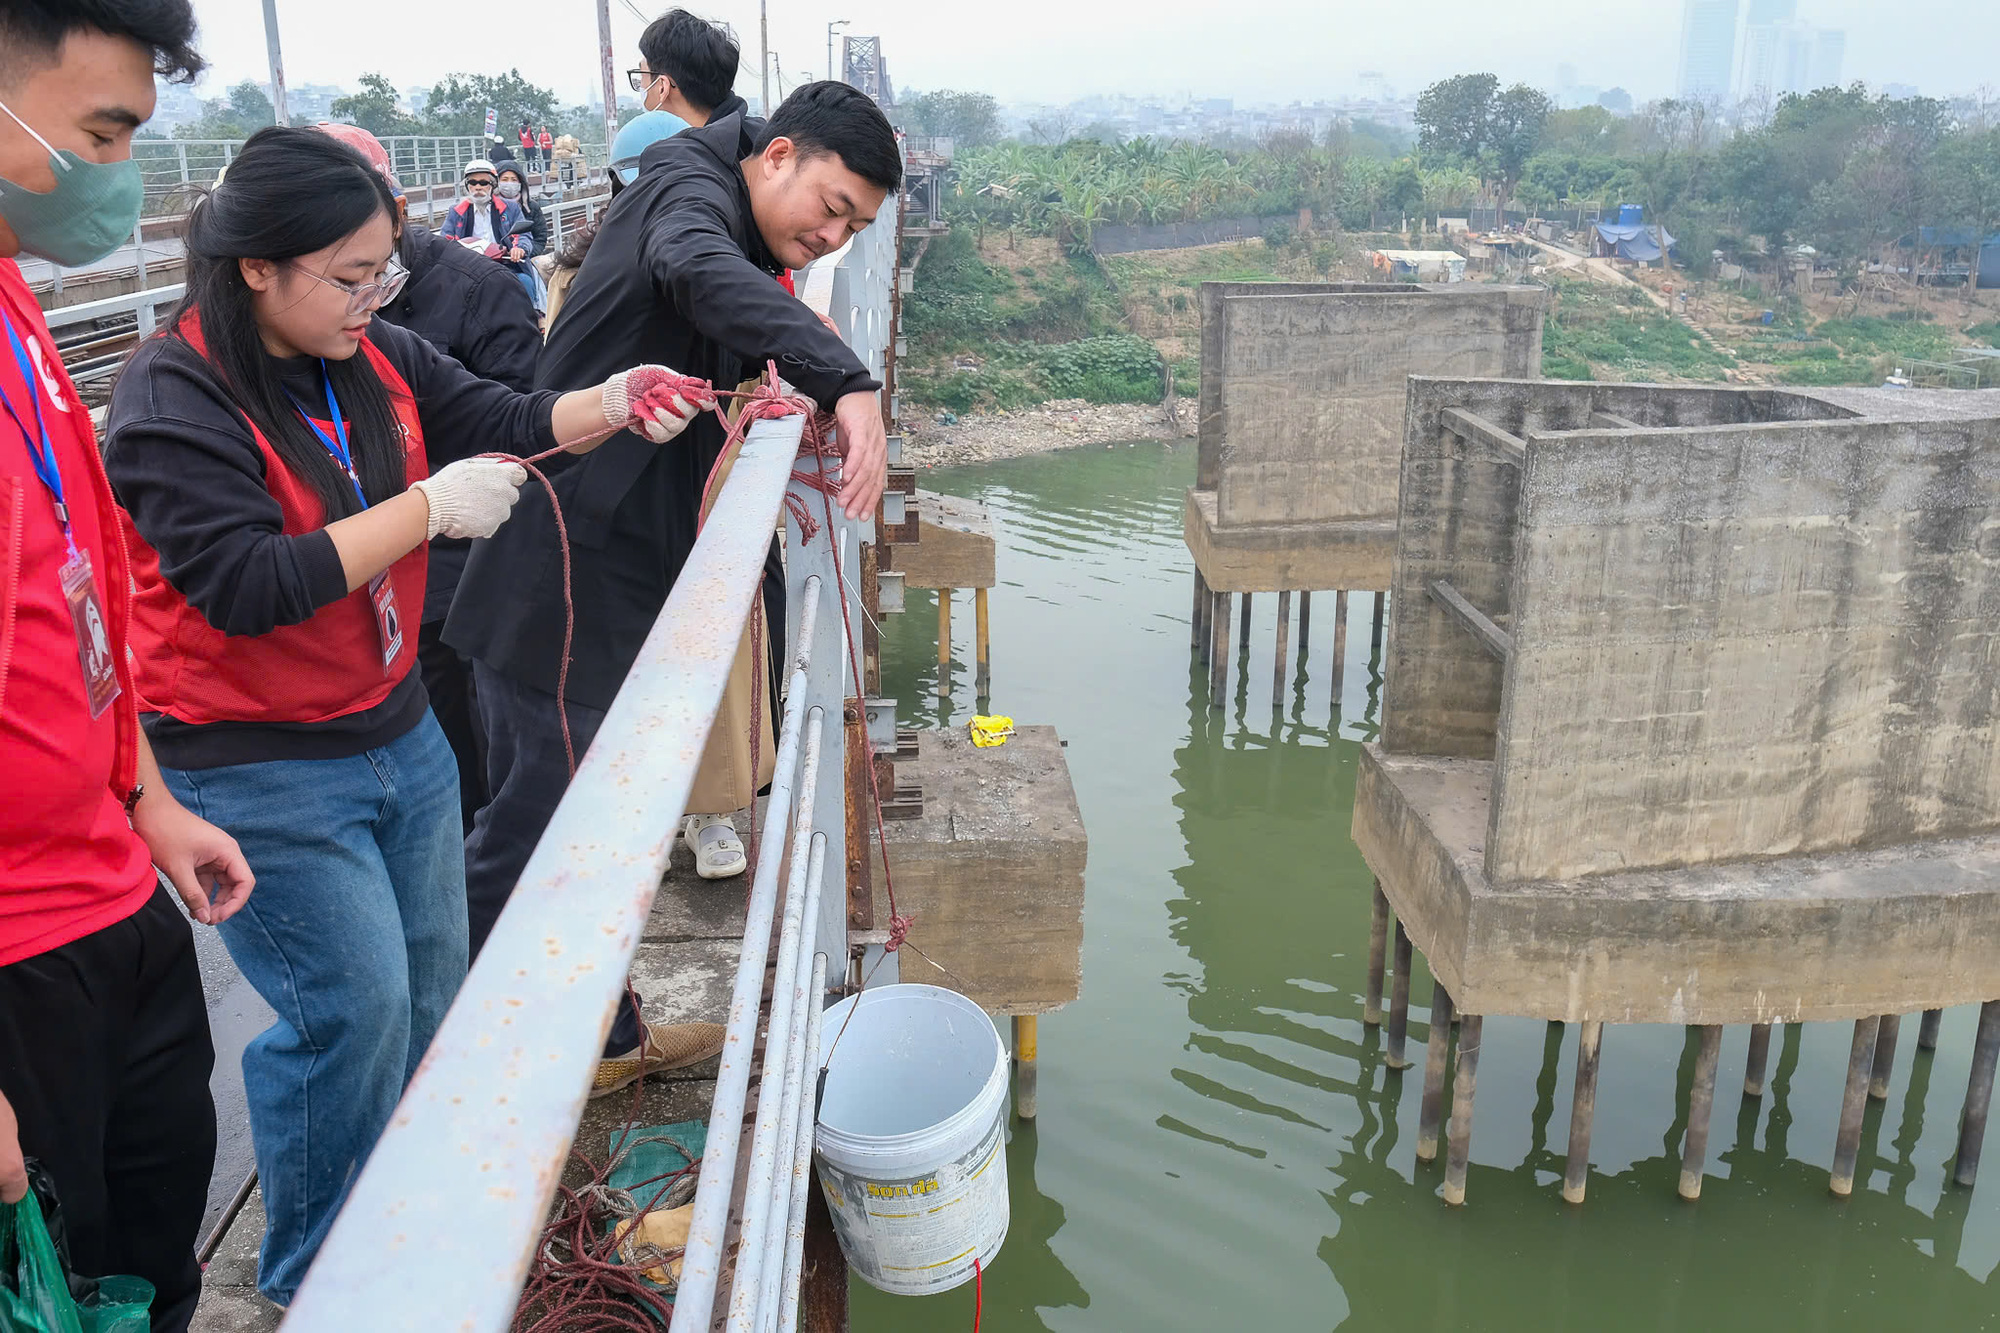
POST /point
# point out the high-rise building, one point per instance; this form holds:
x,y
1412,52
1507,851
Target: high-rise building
x,y
1829,54
1787,56
1708,49
1771,11
1762,43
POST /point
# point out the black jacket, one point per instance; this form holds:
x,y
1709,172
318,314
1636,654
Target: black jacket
x,y
184,464
678,275
538,218
476,312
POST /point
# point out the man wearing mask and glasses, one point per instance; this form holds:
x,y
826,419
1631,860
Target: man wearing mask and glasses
x,y
484,215
493,222
104,1044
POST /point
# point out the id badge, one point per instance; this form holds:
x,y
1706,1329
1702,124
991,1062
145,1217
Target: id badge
x,y
388,621
93,636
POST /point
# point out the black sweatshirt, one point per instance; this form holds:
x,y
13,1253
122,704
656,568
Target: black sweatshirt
x,y
476,311
184,464
678,275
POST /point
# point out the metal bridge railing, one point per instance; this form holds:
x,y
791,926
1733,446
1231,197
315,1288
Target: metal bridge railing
x,y
171,167
441,1224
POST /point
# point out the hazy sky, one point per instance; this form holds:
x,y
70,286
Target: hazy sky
x,y
1056,50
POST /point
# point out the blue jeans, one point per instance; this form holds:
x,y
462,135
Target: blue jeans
x,y
355,935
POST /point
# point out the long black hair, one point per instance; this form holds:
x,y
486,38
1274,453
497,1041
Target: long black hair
x,y
288,193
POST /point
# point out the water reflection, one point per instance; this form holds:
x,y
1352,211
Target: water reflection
x,y
1220,1143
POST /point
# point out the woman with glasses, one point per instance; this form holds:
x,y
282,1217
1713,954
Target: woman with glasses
x,y
281,457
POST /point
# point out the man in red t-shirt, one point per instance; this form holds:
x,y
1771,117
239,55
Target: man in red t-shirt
x,y
104,1045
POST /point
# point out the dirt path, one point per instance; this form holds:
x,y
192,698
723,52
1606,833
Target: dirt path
x,y
1597,270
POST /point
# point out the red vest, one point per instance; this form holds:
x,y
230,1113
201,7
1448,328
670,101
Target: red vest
x,y
328,665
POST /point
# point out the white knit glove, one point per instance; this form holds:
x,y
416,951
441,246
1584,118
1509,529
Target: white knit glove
x,y
472,497
654,400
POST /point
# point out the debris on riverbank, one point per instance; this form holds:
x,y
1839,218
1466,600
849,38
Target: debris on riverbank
x,y
1067,423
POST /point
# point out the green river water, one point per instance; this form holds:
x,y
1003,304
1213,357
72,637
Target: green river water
x,y
1219,1144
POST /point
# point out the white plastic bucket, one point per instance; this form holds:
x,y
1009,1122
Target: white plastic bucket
x,y
911,1142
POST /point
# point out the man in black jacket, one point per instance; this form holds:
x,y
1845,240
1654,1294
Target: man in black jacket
x,y
474,311
683,273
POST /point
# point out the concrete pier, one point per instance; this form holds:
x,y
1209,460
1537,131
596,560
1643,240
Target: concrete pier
x,y
992,872
953,549
1301,421
1687,714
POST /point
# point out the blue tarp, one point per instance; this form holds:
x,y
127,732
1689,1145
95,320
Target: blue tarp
x,y
1634,243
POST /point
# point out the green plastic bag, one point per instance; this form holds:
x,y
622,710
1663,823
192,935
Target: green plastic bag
x,y
120,1304
34,1293
38,1293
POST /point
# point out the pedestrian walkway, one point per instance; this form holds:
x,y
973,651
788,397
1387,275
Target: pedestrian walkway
x,y
684,969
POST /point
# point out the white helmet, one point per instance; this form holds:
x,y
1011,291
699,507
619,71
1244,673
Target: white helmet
x,y
478,164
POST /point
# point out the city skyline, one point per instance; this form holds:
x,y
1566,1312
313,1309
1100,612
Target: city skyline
x,y
1055,53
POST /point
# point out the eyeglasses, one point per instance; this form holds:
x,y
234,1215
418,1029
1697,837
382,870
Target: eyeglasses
x,y
640,79
366,295
471,181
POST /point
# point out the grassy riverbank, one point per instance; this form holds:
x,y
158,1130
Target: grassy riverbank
x,y
1009,322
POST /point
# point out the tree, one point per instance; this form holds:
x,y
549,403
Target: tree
x,y
249,106
1054,128
240,114
1404,190
1452,116
1769,176
1888,189
1584,131
459,102
1965,175
1676,137
1468,117
374,108
969,120
1515,124
1370,138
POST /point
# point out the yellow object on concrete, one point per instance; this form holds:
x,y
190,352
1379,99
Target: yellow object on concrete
x,y
988,732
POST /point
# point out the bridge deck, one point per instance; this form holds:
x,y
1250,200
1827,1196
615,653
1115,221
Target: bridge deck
x,y
684,968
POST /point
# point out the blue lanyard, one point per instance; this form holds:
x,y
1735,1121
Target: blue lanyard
x,y
40,447
338,448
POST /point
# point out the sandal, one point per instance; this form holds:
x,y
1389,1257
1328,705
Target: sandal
x,y
718,852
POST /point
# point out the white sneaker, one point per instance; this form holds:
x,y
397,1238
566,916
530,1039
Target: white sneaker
x,y
718,852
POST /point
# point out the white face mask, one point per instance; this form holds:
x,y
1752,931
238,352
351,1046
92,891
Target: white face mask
x,y
509,189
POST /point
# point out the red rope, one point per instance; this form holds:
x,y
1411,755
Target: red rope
x,y
590,1288
659,396
978,1295
768,402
